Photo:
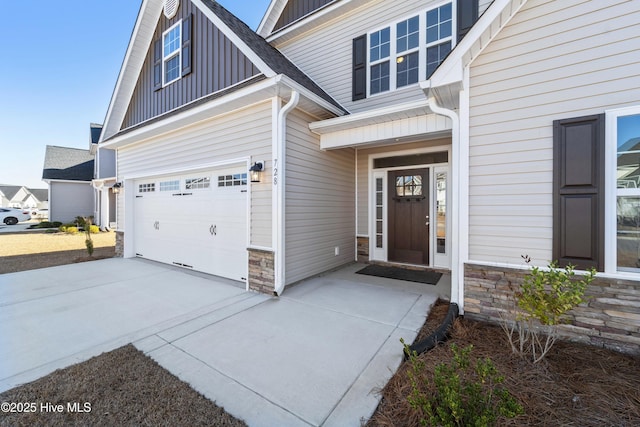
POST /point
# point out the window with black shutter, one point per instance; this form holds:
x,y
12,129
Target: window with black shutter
x,y
360,67
578,191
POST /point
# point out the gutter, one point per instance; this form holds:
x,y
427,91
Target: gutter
x,y
280,163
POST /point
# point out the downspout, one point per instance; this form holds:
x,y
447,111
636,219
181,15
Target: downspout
x,y
458,192
280,188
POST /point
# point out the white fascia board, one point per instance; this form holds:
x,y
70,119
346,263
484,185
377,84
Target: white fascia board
x,y
131,66
293,85
246,50
477,39
253,93
270,17
365,117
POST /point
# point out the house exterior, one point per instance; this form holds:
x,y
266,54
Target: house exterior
x,y
104,178
17,196
453,135
68,172
41,197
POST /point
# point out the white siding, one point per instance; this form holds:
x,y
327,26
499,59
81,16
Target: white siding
x,y
69,200
238,134
555,59
363,174
320,205
311,52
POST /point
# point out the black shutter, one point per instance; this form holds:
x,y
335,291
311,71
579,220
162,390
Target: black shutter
x,y
467,16
187,36
578,191
359,83
157,64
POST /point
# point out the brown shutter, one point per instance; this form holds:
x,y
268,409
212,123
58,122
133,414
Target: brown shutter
x,y
157,64
187,50
578,191
467,16
359,83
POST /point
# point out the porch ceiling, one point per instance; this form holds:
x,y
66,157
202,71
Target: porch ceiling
x,y
398,124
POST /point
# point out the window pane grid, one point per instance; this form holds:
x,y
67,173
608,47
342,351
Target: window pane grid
x,y
379,213
197,183
169,185
408,34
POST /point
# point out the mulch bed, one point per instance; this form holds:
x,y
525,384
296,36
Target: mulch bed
x,y
122,387
576,385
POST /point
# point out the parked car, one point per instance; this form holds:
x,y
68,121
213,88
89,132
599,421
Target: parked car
x,y
39,213
12,216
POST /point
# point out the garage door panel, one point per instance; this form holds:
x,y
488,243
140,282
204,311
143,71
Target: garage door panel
x,y
195,220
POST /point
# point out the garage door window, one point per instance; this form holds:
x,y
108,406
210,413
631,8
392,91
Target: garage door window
x,y
170,185
197,183
147,188
232,180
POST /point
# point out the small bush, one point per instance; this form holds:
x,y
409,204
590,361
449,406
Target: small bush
x,y
461,393
70,229
94,229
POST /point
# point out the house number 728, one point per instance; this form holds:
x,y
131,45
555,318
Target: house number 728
x,y
275,172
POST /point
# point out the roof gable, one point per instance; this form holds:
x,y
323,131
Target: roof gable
x,y
268,61
10,191
69,164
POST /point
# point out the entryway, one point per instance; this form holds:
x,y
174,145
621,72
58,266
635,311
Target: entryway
x,y
408,209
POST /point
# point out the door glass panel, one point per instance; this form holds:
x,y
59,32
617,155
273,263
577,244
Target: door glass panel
x,y
628,236
441,212
628,173
408,186
379,212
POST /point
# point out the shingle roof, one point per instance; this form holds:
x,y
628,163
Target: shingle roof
x,y
66,163
9,190
42,194
270,55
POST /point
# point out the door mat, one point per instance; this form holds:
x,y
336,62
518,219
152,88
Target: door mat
x,y
420,276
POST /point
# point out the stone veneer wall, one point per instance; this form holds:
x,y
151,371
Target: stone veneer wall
x,y
120,244
363,249
610,319
261,271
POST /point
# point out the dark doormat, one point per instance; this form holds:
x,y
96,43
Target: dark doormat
x,y
420,276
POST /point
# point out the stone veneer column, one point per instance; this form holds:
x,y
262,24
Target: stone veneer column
x,y
119,244
261,271
363,249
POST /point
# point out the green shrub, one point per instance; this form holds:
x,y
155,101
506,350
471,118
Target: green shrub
x,y
462,393
56,223
545,297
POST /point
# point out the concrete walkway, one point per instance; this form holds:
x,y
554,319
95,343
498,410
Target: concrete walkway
x,y
314,356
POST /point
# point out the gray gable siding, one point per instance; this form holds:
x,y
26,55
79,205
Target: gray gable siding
x,y
216,64
296,9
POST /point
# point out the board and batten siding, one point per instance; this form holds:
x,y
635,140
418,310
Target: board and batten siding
x,y
554,60
296,9
363,173
325,53
216,64
241,133
320,205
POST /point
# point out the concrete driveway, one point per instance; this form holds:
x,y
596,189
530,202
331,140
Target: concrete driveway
x,y
314,356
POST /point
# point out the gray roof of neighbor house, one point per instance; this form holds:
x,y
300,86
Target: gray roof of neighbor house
x,y
270,55
10,190
69,164
42,194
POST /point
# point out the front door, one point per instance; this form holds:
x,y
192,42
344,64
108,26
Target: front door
x,y
408,216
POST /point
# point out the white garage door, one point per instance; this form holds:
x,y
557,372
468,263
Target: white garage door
x,y
194,220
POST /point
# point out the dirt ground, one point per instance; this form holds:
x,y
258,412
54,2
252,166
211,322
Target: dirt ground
x,y
32,250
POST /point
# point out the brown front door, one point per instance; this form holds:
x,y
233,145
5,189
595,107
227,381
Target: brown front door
x,y
408,216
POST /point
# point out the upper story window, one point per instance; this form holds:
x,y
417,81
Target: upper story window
x,y
171,53
439,36
407,51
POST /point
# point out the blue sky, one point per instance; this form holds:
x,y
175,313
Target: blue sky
x,y
59,68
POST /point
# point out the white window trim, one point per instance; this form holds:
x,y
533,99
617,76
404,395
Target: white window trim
x,y
421,49
178,53
611,190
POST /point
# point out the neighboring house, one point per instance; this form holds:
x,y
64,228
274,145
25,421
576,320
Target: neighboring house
x,y
42,197
104,178
451,135
68,172
17,196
